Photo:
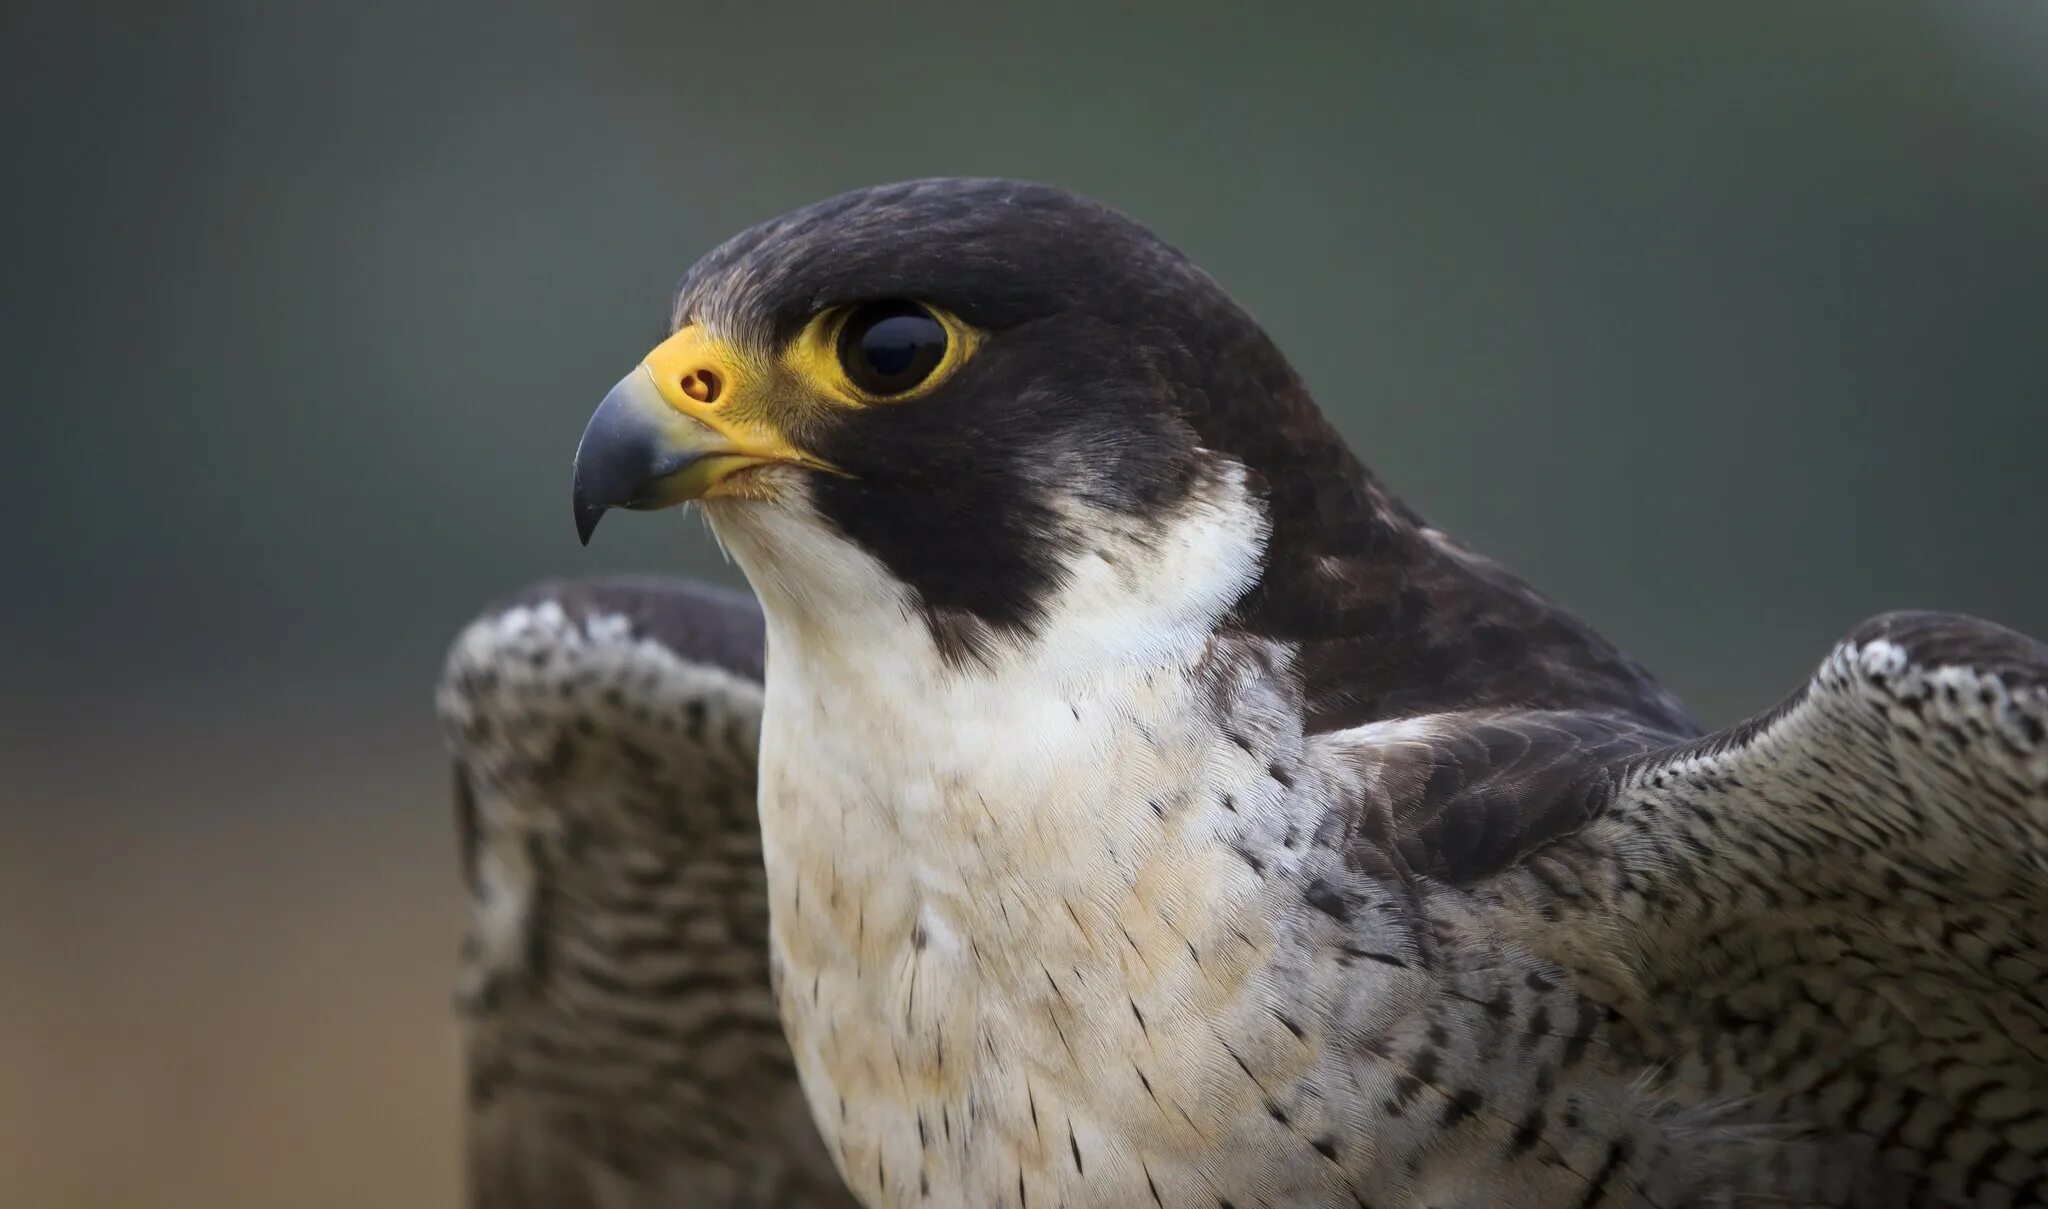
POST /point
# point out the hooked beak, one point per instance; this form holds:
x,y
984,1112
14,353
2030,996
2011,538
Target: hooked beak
x,y
662,437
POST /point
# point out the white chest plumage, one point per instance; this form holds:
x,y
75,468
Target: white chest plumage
x,y
1013,929
976,915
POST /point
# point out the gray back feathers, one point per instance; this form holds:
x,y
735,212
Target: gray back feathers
x,y
1833,921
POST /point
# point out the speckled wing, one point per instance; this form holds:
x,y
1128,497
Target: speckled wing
x,y
1833,918
621,1037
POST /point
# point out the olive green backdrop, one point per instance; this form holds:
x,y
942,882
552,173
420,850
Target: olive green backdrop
x,y
1726,323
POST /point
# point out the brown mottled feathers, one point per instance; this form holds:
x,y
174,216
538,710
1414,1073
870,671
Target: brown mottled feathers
x,y
1829,918
1489,787
620,1031
696,622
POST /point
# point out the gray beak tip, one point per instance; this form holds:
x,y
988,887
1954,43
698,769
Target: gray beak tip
x,y
587,516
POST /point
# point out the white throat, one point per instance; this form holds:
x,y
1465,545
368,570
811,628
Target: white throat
x,y
1005,768
968,865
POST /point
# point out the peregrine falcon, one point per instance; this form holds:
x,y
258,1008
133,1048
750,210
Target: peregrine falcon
x,y
1156,812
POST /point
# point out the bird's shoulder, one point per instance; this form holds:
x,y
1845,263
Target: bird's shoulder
x,y
1470,792
1830,911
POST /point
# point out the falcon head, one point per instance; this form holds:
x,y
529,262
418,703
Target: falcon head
x,y
975,398
965,379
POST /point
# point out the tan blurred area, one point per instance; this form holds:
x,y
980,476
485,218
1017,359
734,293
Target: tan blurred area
x,y
237,995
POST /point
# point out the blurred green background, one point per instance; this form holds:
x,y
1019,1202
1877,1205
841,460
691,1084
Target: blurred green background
x,y
1726,323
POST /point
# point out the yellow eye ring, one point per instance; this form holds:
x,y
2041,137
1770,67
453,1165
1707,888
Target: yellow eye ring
x,y
887,350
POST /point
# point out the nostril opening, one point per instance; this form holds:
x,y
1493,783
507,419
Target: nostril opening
x,y
702,385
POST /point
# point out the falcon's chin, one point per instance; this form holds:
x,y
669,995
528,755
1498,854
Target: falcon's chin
x,y
805,570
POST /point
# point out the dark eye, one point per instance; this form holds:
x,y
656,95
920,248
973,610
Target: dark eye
x,y
889,347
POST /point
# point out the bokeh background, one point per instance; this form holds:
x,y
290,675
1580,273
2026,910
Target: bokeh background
x,y
1725,322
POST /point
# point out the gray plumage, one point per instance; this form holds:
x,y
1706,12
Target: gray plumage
x,y
1833,920
1805,957
621,1041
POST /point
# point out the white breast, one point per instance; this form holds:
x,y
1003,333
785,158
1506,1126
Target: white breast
x,y
1009,917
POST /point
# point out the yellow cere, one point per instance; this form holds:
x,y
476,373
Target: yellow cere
x,y
691,353
719,386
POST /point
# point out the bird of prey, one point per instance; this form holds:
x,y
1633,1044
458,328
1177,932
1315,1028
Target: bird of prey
x,y
1157,812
